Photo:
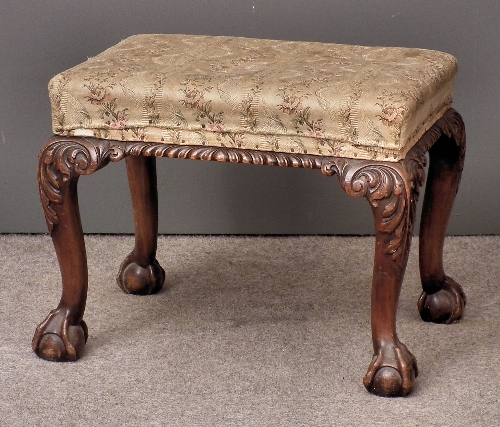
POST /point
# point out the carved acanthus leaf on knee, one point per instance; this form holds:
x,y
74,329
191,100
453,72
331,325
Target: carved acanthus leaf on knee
x,y
64,159
380,181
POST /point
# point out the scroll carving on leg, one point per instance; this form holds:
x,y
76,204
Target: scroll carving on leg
x,y
62,335
442,299
392,191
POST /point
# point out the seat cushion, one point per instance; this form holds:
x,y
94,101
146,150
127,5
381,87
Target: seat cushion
x,y
293,97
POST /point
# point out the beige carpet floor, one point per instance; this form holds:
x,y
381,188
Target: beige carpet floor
x,y
249,331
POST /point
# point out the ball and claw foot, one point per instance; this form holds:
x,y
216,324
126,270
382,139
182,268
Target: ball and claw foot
x,y
392,372
137,280
57,340
444,306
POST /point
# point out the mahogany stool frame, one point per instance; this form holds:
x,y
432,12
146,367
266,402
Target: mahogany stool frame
x,y
391,188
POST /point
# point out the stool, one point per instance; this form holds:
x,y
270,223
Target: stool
x,y
368,115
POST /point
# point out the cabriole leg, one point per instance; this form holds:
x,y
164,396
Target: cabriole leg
x,y
392,191
393,195
140,272
62,335
442,299
393,369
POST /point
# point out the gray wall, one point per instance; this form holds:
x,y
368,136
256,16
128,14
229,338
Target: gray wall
x,y
38,39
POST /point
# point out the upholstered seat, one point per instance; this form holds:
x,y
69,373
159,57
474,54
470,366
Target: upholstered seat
x,y
291,97
368,115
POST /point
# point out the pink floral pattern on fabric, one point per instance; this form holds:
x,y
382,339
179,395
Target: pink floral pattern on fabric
x,y
295,97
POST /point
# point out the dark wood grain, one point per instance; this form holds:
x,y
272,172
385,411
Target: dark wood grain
x,y
391,188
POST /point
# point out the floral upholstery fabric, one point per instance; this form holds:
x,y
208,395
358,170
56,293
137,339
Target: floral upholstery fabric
x,y
292,97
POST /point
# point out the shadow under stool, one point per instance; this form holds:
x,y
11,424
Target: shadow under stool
x,y
368,115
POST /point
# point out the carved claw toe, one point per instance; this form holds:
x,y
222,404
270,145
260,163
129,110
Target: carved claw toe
x,y
392,372
57,340
444,306
137,280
